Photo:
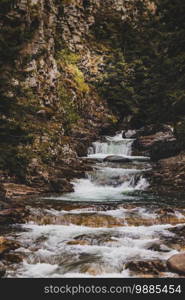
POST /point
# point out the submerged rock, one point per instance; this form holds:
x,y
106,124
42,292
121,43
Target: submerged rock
x,y
116,158
154,267
176,263
78,242
89,220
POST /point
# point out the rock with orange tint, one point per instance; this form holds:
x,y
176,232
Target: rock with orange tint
x,y
78,242
176,263
89,220
7,245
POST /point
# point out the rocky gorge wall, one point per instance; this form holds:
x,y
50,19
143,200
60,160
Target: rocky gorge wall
x,y
51,109
61,64
45,68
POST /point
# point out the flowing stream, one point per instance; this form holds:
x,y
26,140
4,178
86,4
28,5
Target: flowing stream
x,y
106,224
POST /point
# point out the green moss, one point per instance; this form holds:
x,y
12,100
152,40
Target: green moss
x,y
71,115
67,57
78,77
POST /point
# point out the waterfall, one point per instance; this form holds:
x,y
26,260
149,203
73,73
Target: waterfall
x,y
94,219
112,146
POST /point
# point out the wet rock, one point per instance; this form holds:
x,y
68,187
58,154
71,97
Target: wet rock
x,y
2,273
96,269
116,158
12,258
169,174
2,193
154,267
13,215
177,240
176,263
60,185
7,245
147,130
78,242
89,220
157,146
130,134
14,190
156,141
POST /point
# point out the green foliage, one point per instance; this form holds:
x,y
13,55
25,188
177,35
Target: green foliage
x,y
67,57
145,72
78,78
71,115
69,60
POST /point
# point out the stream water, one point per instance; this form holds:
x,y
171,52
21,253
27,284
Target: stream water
x,y
109,221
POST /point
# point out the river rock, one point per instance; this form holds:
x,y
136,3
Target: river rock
x,y
7,245
78,242
157,141
147,267
88,220
60,185
130,134
176,263
2,273
162,144
147,130
116,158
13,215
169,174
12,258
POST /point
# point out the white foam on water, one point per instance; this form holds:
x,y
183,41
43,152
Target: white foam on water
x,y
38,270
117,213
46,249
102,156
86,190
179,215
130,243
117,137
114,145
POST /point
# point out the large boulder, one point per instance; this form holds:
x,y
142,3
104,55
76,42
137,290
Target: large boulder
x,y
116,158
60,185
168,174
176,263
147,130
159,145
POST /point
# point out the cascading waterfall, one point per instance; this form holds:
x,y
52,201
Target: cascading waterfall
x,y
113,146
98,228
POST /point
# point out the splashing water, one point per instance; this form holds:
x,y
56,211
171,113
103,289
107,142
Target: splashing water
x,y
98,228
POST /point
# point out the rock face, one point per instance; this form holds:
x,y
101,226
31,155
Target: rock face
x,y
176,263
169,174
156,141
165,148
50,73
